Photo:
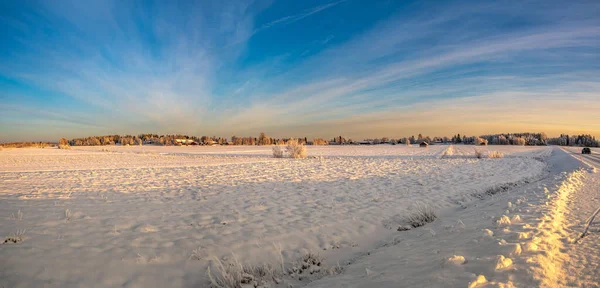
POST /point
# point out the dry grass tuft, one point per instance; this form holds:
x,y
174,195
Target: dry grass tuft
x,y
495,155
15,238
234,274
67,214
18,216
422,215
310,266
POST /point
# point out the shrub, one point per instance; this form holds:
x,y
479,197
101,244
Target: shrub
x,y
478,154
495,154
422,215
63,144
295,149
277,152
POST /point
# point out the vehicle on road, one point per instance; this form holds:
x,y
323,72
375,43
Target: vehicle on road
x,y
586,150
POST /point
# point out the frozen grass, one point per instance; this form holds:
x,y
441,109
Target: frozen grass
x,y
278,152
310,266
495,154
312,259
67,214
197,254
422,215
18,216
234,274
16,237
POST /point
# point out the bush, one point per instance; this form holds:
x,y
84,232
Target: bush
x,y
295,149
63,144
495,154
277,152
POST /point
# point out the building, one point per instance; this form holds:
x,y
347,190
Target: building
x,y
186,142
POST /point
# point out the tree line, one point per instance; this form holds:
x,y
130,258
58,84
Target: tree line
x,y
521,139
27,144
175,140
575,140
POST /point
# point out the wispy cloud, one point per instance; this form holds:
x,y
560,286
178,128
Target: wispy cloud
x,y
349,97
443,69
297,17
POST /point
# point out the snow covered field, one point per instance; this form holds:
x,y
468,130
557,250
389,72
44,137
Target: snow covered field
x,y
160,216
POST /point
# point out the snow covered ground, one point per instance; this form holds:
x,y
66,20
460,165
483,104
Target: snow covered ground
x,y
161,216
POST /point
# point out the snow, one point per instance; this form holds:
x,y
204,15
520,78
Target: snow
x,y
158,216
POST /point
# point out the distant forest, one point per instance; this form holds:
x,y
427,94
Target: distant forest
x,y
522,139
27,144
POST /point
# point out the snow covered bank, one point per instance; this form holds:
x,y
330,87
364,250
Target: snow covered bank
x,y
520,238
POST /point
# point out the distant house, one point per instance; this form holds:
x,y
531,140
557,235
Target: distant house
x,y
365,142
423,144
185,141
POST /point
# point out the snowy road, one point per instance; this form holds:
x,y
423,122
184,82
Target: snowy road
x,y
591,159
594,159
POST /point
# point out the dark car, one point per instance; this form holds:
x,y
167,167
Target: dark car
x,y
586,150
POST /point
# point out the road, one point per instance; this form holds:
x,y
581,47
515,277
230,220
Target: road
x,y
592,159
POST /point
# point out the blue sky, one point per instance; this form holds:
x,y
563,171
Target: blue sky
x,y
298,68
